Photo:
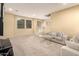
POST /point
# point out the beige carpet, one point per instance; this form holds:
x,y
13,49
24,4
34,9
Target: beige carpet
x,y
34,46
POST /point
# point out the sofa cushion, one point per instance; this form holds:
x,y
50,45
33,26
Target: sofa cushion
x,y
52,33
72,45
75,38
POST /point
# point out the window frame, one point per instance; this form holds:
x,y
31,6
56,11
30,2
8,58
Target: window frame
x,y
20,24
27,25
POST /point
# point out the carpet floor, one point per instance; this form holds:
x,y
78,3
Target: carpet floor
x,y
34,46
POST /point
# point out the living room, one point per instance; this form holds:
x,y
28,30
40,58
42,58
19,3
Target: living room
x,y
45,29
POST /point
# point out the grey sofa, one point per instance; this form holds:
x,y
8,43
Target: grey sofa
x,y
72,47
58,37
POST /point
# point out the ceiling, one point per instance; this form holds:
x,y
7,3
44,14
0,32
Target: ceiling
x,y
35,10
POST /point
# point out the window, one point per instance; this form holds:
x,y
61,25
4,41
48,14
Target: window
x,y
21,24
28,24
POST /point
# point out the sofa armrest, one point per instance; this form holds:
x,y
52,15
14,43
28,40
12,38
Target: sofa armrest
x,y
66,51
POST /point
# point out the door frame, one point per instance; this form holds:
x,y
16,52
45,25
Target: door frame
x,y
1,20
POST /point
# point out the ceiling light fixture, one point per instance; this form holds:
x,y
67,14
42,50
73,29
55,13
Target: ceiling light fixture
x,y
34,15
10,9
64,4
